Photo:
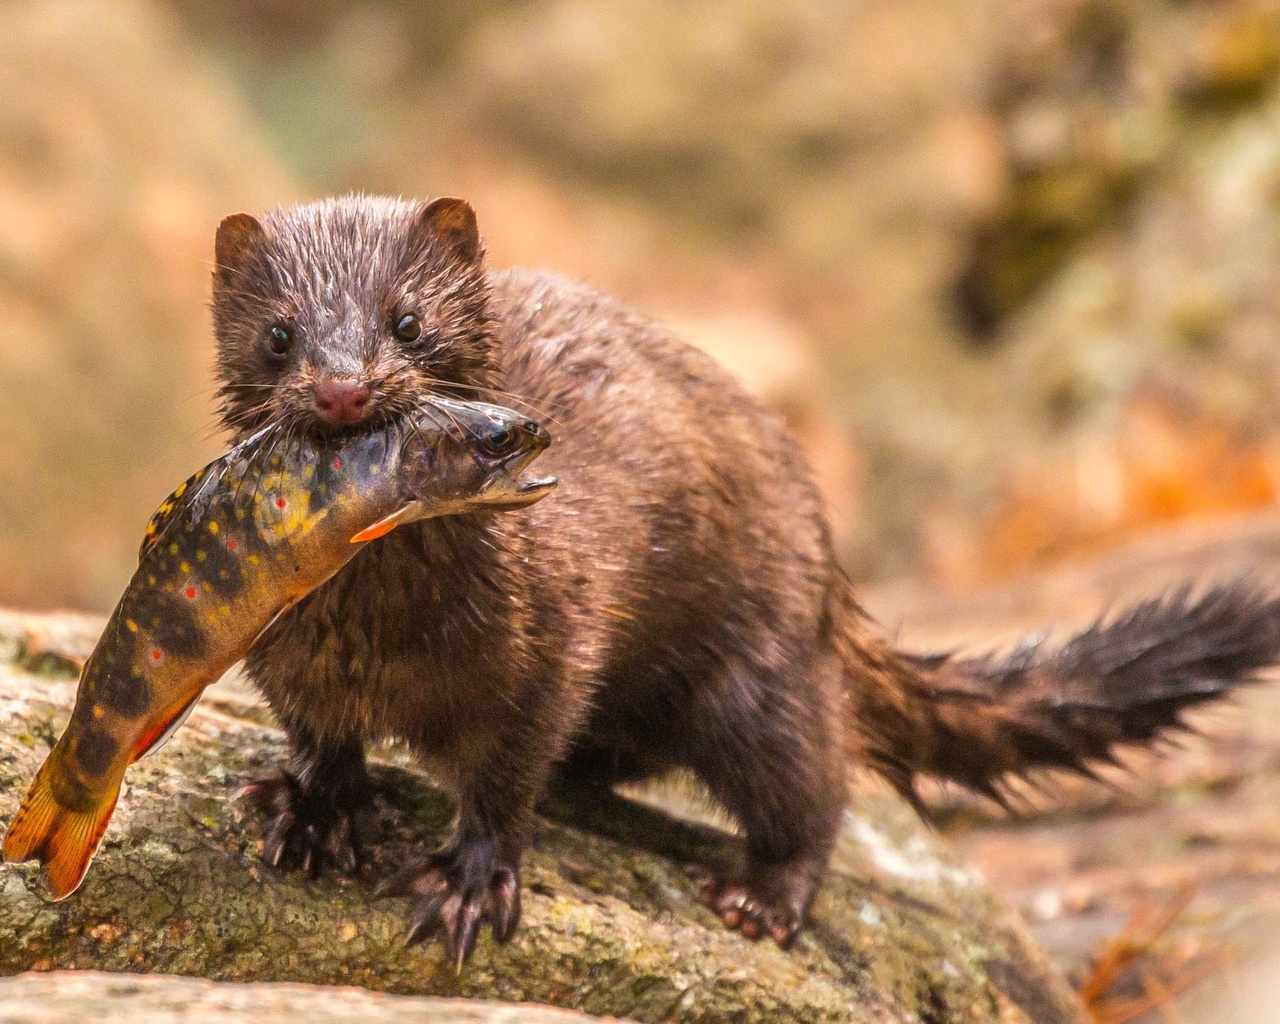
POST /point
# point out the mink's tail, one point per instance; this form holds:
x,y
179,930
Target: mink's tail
x,y
981,721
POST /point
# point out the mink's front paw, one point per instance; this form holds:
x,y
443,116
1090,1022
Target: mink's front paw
x,y
304,830
454,891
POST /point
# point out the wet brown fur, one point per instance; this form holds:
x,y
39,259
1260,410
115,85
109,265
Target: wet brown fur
x,y
676,602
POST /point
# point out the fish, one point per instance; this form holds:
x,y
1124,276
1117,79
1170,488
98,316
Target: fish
x,y
235,545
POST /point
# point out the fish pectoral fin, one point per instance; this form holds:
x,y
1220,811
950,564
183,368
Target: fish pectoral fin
x,y
386,524
63,840
159,736
274,619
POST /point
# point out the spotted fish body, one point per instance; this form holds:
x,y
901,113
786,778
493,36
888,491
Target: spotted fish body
x,y
235,545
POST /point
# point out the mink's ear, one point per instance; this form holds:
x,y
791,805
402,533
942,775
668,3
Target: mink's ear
x,y
239,236
451,224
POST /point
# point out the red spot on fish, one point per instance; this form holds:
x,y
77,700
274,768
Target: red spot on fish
x,y
281,503
189,593
155,654
232,545
337,463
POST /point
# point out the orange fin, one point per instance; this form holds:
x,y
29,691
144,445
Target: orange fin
x,y
159,736
388,523
64,841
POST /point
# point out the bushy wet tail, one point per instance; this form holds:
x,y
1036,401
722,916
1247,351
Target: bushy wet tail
x,y
63,840
980,721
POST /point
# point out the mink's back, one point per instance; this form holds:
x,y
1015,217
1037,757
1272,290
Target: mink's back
x,y
686,533
667,467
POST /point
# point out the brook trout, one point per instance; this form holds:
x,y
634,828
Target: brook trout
x,y
227,552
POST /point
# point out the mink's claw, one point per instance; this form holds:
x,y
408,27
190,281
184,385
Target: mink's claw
x,y
455,892
506,903
462,929
742,908
301,832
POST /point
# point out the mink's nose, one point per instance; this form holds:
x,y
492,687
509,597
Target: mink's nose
x,y
340,401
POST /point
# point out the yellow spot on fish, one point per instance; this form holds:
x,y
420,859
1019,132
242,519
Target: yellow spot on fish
x,y
223,574
207,586
224,609
213,528
254,559
201,556
211,619
308,472
173,549
184,566
239,513
131,625
181,490
151,579
97,711
198,475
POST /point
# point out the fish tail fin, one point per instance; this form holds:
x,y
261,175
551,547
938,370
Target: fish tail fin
x,y
63,840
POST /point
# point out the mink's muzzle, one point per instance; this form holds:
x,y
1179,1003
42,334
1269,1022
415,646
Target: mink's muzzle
x,y
341,400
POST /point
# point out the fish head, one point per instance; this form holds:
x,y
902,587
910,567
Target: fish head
x,y
464,456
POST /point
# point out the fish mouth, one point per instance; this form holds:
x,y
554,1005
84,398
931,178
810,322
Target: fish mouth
x,y
504,490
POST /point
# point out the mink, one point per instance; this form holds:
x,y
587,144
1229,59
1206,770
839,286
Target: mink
x,y
676,604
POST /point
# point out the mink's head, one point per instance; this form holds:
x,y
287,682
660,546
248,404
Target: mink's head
x,y
348,311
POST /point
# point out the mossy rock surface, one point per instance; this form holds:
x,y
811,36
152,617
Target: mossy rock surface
x,y
611,925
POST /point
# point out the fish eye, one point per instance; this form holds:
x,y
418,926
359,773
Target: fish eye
x,y
408,328
280,339
499,441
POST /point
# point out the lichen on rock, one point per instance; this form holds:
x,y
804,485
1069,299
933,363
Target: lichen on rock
x,y
611,926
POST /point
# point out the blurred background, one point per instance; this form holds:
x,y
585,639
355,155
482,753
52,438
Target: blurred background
x,y
1009,267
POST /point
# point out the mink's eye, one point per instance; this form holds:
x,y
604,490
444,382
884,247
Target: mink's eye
x,y
408,328
280,339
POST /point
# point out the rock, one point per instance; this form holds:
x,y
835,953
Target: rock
x,y
611,925
69,997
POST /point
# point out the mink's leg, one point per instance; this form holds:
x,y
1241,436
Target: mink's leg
x,y
311,805
475,876
770,749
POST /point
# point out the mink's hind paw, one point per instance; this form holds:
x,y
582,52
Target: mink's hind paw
x,y
455,891
304,830
752,909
